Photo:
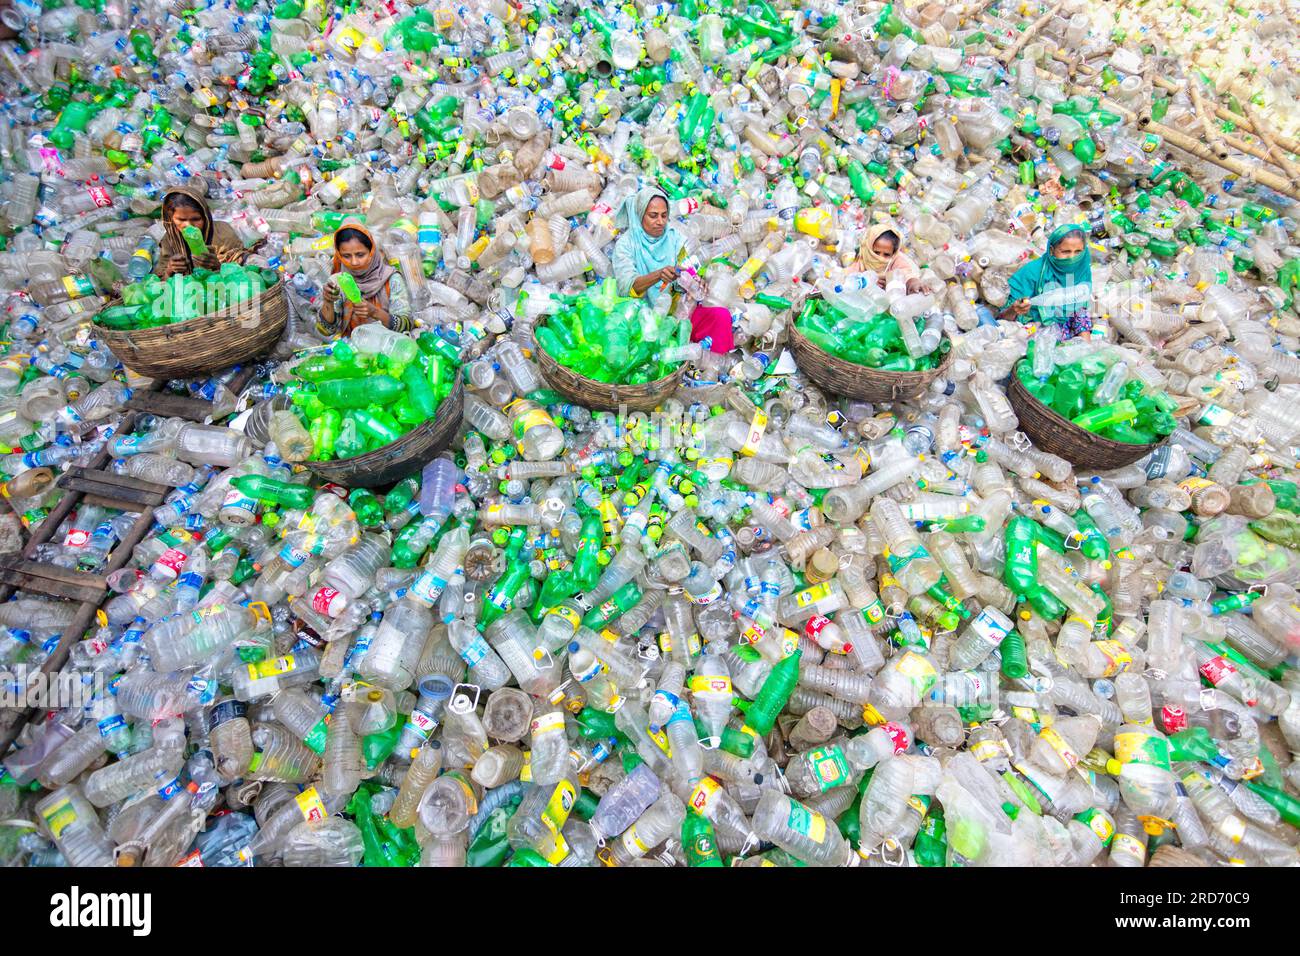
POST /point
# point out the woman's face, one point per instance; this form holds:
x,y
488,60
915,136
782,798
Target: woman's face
x,y
883,247
183,216
655,220
1068,247
353,254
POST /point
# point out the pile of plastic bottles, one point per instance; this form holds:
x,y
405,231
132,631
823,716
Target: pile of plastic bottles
x,y
765,625
611,339
1090,385
363,393
892,342
154,302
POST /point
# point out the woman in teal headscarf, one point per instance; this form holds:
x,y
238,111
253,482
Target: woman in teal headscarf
x,y
645,256
1067,265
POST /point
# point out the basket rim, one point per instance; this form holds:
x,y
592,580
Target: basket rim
x,y
596,384
853,368
1017,391
377,457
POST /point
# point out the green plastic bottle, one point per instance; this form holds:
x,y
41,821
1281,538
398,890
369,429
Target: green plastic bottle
x,y
359,392
370,514
490,846
931,845
348,286
1015,660
274,491
772,697
699,842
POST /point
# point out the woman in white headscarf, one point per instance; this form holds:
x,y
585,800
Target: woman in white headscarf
x,y
646,254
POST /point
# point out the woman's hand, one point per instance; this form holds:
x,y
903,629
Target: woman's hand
x,y
176,265
363,311
1017,309
331,294
913,286
880,280
666,275
207,261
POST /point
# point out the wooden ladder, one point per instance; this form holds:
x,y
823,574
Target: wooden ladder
x,y
94,485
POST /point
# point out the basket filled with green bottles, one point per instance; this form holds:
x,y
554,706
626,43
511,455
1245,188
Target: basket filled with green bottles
x,y
603,351
371,410
876,359
1091,407
188,325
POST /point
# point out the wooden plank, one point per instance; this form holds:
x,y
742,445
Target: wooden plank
x,y
76,628
100,501
117,487
45,530
53,572
120,481
137,499
167,405
52,580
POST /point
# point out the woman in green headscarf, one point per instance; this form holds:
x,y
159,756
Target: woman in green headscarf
x,y
645,256
1066,266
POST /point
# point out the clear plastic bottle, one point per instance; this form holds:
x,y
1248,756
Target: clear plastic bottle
x,y
801,832
75,827
660,820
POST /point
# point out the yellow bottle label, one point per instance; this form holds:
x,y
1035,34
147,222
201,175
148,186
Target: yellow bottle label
x,y
805,821
570,616
813,594
632,843
756,429
715,684
1118,659
703,794
477,248
271,668
311,806
1061,746
1194,484
59,816
350,38
77,286
561,803
554,720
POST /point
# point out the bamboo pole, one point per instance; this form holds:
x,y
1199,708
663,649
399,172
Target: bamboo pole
x,y
1212,135
1279,156
1207,127
1189,144
1290,145
1247,171
973,11
1009,54
1075,64
1250,149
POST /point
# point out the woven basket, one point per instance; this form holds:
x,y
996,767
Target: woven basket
x,y
606,396
851,380
407,455
205,344
1053,433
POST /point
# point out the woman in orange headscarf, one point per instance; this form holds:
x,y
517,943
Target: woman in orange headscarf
x,y
384,295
